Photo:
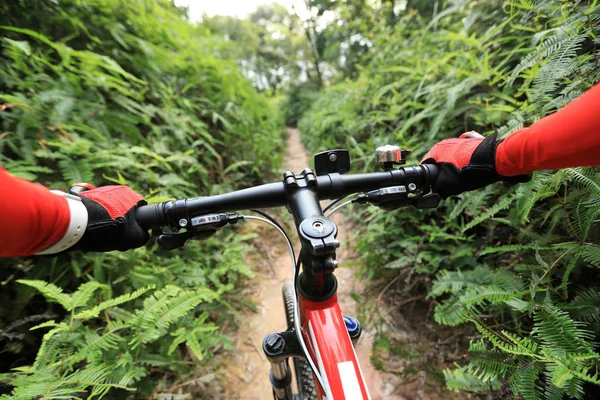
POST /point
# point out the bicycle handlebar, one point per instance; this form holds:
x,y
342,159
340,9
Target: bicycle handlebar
x,y
271,195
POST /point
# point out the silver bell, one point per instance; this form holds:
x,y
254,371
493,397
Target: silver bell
x,y
388,153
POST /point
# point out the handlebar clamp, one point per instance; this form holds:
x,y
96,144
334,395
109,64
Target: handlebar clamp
x,y
319,233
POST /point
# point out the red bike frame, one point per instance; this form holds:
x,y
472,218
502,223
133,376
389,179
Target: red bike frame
x,y
327,340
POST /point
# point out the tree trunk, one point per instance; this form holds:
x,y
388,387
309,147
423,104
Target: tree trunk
x,y
310,36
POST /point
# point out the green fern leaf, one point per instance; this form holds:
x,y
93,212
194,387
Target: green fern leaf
x,y
49,291
488,365
591,254
511,248
491,294
83,294
559,334
450,313
561,375
95,311
503,204
76,170
524,382
585,306
461,379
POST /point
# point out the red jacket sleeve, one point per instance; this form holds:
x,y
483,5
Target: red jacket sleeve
x,y
568,138
31,218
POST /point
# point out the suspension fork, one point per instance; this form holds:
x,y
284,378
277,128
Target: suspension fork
x,y
278,348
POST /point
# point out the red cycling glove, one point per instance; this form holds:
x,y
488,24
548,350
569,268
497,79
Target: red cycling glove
x,y
111,220
467,164
568,138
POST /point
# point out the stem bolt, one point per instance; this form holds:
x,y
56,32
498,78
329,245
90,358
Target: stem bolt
x,y
318,226
183,222
412,187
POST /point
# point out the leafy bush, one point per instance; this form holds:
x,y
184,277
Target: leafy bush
x,y
127,93
525,258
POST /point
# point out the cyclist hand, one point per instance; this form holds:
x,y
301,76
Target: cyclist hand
x,y
111,220
467,163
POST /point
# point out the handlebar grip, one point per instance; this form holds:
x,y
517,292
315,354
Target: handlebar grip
x,y
149,216
433,171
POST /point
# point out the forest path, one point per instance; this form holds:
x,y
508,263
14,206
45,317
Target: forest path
x,y
248,369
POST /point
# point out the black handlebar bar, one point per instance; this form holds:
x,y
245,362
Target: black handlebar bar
x,y
330,186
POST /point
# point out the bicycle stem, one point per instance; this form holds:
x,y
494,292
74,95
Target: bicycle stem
x,y
317,235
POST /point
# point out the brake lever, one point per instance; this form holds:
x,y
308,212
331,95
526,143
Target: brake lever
x,y
171,241
431,200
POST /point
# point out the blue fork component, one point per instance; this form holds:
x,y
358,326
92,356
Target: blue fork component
x,y
353,327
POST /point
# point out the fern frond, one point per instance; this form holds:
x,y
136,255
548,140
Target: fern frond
x,y
164,308
543,185
488,365
461,379
591,254
94,344
491,294
46,324
95,311
571,264
511,345
81,297
49,291
573,388
181,305
560,375
448,282
503,204
585,306
524,382
480,278
586,178
450,313
511,248
190,335
559,334
527,345
94,376
76,170
50,341
23,169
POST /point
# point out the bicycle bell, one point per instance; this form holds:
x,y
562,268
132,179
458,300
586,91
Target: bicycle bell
x,y
389,156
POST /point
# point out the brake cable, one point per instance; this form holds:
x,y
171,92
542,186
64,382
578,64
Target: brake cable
x,y
295,266
344,204
333,203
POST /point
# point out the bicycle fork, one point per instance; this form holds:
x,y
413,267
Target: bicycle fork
x,y
278,348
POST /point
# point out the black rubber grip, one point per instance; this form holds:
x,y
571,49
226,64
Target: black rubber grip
x,y
150,216
434,172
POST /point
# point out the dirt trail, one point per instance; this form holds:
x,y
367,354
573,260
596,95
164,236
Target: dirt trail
x,y
247,370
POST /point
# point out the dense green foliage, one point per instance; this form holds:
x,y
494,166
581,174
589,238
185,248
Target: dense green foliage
x,y
129,92
124,92
525,258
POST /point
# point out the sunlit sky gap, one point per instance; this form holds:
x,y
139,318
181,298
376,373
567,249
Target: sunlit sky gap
x,y
237,8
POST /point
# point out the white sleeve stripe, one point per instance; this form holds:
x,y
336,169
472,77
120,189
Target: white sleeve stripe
x,y
77,224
